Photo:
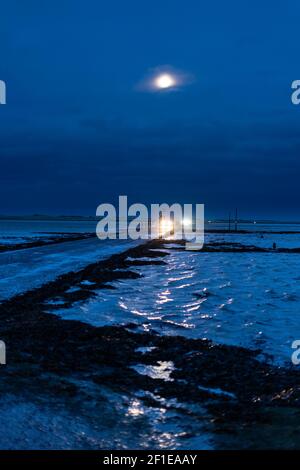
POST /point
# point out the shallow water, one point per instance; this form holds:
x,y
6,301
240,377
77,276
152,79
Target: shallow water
x,y
27,231
246,299
112,421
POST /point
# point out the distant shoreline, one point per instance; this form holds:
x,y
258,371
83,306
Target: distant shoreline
x,y
90,218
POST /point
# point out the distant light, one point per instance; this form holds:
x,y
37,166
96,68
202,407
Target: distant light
x,y
165,81
166,226
186,222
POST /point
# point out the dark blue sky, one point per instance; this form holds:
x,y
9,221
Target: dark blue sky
x,y
76,132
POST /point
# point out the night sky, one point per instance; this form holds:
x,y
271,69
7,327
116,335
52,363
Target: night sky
x,y
77,130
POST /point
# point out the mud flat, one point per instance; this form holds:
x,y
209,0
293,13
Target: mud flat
x,y
50,240
233,247
67,361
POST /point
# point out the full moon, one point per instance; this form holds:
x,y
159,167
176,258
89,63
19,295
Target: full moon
x,y
165,81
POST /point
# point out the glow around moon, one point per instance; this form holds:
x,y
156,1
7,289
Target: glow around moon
x,y
164,79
